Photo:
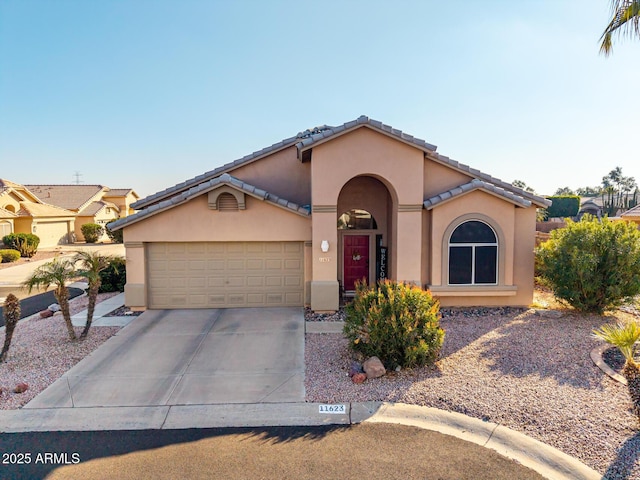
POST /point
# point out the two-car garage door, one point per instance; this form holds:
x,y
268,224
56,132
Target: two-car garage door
x,y
225,274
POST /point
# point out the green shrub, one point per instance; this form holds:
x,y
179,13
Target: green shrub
x,y
563,206
398,323
8,255
117,236
91,232
25,243
114,276
592,265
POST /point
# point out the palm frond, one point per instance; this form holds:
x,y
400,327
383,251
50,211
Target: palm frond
x,y
623,336
625,22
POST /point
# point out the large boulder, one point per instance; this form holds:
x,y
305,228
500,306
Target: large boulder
x,y
373,367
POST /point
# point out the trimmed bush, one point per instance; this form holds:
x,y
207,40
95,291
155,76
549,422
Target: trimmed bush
x,y
91,232
117,236
8,255
398,323
114,276
25,243
593,266
563,206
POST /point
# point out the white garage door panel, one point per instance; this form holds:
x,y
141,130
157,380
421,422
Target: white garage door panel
x,y
225,274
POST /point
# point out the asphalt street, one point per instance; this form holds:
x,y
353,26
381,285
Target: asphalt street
x,y
371,451
37,303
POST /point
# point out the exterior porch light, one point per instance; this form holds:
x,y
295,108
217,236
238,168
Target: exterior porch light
x,y
324,246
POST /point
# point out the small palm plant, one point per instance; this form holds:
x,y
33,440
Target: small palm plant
x,y
91,264
57,272
11,317
625,337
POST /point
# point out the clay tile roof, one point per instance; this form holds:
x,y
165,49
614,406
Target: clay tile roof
x,y
120,192
202,188
475,184
70,197
31,209
4,213
632,212
94,207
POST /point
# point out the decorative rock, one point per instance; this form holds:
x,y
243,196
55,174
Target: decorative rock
x,y
54,307
46,313
359,378
355,367
374,368
20,388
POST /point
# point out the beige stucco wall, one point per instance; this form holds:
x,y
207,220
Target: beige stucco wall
x,y
515,228
439,178
280,173
194,221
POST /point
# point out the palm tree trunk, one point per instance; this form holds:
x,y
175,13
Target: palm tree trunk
x,y
631,372
8,335
62,295
93,295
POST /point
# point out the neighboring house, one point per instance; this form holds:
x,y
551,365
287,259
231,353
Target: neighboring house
x,y
90,203
299,222
21,211
632,215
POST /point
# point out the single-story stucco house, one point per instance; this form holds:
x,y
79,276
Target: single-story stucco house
x,y
299,222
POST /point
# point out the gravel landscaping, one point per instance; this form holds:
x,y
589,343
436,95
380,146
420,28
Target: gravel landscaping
x,y
41,352
523,370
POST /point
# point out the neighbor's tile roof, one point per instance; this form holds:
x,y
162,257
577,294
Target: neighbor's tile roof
x,y
31,209
309,138
70,197
120,192
475,184
632,212
94,207
202,188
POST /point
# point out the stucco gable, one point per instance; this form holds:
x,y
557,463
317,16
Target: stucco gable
x,y
472,186
206,187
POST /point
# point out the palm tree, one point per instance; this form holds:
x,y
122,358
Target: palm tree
x,y
625,336
91,264
57,272
626,20
11,317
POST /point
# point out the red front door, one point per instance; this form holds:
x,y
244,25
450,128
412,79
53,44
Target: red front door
x,y
356,260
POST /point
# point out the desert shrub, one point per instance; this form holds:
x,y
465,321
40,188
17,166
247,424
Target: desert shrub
x,y
114,276
25,243
91,232
8,255
592,265
115,236
398,323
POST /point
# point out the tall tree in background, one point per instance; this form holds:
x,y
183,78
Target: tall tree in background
x,y
625,21
616,190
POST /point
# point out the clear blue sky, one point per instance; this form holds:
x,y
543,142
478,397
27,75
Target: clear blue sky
x,y
146,94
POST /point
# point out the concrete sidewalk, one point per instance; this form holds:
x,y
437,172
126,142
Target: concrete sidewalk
x,y
103,308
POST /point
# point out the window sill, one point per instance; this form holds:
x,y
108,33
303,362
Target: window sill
x,y
473,290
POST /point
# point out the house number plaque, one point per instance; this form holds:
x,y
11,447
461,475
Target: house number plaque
x,y
337,409
324,259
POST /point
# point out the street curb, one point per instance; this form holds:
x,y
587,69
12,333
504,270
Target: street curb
x,y
547,461
540,457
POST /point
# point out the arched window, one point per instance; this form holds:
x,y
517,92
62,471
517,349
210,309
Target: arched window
x,y
473,254
357,220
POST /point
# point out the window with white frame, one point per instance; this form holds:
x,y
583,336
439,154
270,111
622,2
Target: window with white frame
x,y
473,254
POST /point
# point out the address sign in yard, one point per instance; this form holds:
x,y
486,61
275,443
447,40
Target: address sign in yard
x,y
339,408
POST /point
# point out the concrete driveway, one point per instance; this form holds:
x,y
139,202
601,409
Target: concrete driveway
x,y
190,357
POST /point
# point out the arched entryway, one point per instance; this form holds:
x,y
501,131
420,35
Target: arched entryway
x,y
364,217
